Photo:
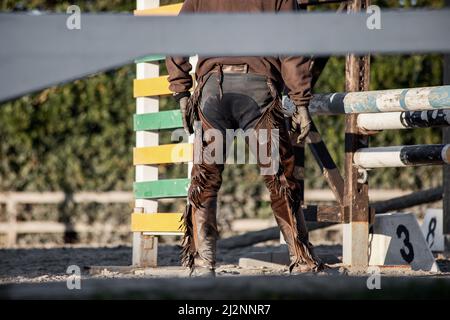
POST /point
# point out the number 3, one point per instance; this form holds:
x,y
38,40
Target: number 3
x,y
408,257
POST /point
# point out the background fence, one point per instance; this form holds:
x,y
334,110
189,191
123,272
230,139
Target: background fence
x,y
12,227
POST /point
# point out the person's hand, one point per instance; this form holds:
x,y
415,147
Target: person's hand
x,y
184,116
301,121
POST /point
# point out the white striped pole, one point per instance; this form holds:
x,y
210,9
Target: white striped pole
x,y
402,156
404,120
397,100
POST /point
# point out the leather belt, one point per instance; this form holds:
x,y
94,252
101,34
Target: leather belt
x,y
235,68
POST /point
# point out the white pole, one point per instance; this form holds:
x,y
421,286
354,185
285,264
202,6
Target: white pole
x,y
404,120
381,157
380,121
402,156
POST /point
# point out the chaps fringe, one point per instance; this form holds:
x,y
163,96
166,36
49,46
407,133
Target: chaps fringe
x,y
198,184
305,250
308,258
188,246
189,251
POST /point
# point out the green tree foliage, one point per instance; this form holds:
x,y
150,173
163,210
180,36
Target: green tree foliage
x,y
73,137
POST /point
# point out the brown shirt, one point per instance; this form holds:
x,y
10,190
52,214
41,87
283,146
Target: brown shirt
x,y
293,72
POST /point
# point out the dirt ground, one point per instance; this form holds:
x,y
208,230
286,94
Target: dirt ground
x,y
38,265
50,264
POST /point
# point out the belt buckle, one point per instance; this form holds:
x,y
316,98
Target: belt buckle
x,y
235,68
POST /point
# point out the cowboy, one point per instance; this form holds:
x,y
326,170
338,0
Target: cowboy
x,y
243,93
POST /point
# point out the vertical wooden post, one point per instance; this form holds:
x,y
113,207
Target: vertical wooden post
x,y
145,247
11,212
446,168
356,198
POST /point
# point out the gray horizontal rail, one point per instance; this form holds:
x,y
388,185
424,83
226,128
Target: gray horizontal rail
x,y
39,51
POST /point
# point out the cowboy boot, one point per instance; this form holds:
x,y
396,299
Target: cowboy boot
x,y
301,252
205,238
199,242
303,237
199,218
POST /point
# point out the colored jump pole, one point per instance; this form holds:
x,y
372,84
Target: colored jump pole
x,y
398,100
402,156
404,120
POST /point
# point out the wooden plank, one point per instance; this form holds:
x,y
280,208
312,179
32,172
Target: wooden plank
x,y
168,153
151,58
156,222
169,10
40,227
58,197
158,120
171,188
127,197
324,214
152,87
28,227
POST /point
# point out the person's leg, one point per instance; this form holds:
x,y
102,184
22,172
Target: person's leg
x,y
199,242
279,173
284,194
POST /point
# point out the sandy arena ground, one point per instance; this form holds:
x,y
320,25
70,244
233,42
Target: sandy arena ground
x,y
40,273
50,264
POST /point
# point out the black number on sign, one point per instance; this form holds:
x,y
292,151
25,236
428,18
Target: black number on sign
x,y
407,256
431,229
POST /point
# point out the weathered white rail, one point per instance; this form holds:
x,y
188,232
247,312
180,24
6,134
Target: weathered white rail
x,y
12,227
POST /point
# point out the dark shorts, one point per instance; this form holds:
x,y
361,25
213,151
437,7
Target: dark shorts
x,y
245,98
